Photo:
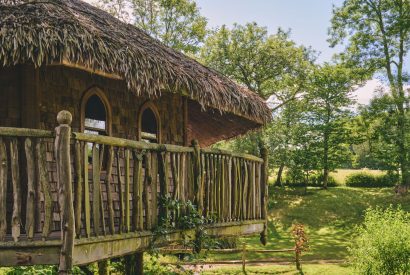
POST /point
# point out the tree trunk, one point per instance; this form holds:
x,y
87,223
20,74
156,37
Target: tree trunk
x,y
278,181
103,268
326,161
134,264
401,123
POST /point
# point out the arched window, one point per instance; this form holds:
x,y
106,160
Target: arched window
x,y
149,124
95,113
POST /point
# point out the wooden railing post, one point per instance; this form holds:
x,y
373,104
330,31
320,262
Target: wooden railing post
x,y
65,196
264,194
163,182
197,176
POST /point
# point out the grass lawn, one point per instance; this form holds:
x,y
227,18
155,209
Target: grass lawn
x,y
340,175
329,216
308,269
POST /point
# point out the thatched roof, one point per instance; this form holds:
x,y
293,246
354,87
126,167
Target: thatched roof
x,y
48,31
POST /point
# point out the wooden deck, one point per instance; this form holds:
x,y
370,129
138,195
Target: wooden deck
x,y
74,198
94,249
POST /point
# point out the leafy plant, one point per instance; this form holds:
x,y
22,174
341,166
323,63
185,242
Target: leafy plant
x,y
298,178
364,179
383,242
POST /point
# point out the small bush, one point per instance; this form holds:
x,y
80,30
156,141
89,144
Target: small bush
x,y
383,243
363,179
315,180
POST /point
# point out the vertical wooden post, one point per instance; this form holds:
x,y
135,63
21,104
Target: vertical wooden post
x,y
87,206
78,188
264,194
146,193
137,209
45,186
65,196
127,190
197,176
244,258
96,190
134,264
30,204
163,182
109,189
15,177
3,189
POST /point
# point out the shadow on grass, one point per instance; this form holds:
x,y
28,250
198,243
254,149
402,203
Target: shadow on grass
x,y
330,217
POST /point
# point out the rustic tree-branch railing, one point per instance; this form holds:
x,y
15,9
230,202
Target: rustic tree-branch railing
x,y
83,197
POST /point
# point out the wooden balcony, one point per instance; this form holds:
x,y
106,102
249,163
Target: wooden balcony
x,y
73,198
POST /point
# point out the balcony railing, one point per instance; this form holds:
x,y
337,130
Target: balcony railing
x,y
58,185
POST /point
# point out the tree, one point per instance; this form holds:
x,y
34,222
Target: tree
x,y
176,23
327,113
266,64
375,131
273,66
378,36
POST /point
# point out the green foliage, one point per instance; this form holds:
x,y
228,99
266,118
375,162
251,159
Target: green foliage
x,y
36,270
153,267
298,178
177,23
377,33
266,64
364,179
383,242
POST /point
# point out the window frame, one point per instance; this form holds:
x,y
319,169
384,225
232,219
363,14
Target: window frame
x,y
96,91
149,105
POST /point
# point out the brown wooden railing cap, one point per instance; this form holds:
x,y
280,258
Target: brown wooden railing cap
x,y
64,117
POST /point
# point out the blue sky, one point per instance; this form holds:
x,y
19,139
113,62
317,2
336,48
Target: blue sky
x,y
308,20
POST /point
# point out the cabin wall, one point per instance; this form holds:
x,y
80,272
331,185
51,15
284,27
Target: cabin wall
x,y
10,99
63,88
32,98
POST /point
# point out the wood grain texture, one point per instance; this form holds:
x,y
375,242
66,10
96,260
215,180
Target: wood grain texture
x,y
3,189
110,205
31,178
42,180
65,193
15,176
78,187
96,190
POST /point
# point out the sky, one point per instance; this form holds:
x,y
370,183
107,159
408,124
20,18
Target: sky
x,y
308,21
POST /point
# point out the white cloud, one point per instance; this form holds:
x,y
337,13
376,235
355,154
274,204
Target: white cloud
x,y
364,94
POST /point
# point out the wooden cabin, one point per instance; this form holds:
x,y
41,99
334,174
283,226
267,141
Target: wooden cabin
x,y
100,125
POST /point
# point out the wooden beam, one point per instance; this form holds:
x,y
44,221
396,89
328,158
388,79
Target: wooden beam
x,y
69,64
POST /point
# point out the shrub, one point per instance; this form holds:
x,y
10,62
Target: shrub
x,y
297,179
383,243
363,179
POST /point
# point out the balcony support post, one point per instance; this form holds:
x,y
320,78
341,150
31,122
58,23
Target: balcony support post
x,y
264,194
65,195
197,176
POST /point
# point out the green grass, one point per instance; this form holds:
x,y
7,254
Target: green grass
x,y
329,216
308,269
340,175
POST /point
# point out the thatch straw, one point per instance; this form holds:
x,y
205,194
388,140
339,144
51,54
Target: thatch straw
x,y
48,31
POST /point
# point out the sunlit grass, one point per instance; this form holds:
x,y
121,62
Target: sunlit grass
x,y
308,269
339,175
329,216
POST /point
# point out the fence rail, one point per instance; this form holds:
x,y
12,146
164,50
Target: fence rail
x,y
77,185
